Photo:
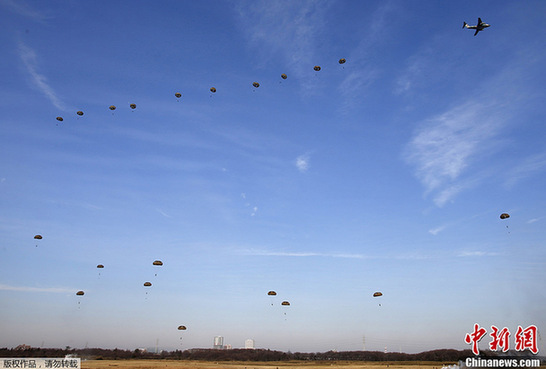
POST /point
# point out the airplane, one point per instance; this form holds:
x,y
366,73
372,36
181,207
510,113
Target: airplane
x,y
479,27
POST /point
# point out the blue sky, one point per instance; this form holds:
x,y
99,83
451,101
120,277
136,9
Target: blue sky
x,y
387,173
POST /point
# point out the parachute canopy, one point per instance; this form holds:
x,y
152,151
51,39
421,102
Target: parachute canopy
x,y
60,119
377,294
147,284
132,106
178,94
100,266
112,107
342,61
285,303
38,237
80,293
255,84
504,215
181,327
79,112
158,263
284,76
212,89
272,293
317,68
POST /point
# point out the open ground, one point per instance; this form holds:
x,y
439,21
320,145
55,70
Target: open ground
x,y
185,364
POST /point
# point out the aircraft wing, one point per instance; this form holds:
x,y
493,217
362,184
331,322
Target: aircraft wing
x,y
477,30
479,21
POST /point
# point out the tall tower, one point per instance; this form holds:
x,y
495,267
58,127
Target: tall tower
x,y
249,343
218,342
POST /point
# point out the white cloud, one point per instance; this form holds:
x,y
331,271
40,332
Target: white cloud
x,y
258,252
163,213
477,253
29,58
436,230
286,29
22,8
5,287
374,30
445,146
528,167
302,163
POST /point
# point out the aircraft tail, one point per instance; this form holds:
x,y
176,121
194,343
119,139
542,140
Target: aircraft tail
x,y
465,25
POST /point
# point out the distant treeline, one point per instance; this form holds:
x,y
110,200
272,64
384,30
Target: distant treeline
x,y
443,355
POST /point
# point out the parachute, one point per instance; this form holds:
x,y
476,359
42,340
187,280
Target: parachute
x,y
100,266
178,94
38,237
272,295
285,303
132,106
316,68
181,327
112,107
79,112
147,284
377,294
342,61
212,89
157,263
284,76
255,84
506,216
79,293
60,119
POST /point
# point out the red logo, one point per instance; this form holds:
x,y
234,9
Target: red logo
x,y
525,338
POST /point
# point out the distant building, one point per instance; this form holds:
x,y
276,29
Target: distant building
x,y
228,346
249,344
218,343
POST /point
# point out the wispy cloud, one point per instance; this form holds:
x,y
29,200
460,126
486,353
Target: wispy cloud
x,y
445,146
22,8
359,80
5,287
258,252
528,167
302,162
285,29
163,213
437,230
30,61
477,253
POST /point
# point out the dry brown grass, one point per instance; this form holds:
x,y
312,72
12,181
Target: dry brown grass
x,y
186,364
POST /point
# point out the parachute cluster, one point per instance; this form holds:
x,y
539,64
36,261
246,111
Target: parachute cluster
x,y
158,263
178,95
80,113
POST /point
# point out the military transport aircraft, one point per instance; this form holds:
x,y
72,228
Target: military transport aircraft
x,y
479,27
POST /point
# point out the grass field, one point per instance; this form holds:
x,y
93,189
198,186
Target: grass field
x,y
183,364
